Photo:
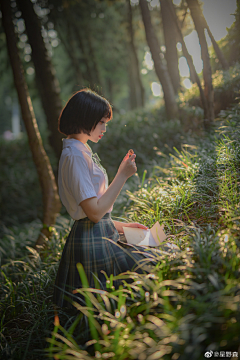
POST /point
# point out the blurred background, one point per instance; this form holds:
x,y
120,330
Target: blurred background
x,y
144,56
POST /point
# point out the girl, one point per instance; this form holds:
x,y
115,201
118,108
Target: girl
x,y
84,191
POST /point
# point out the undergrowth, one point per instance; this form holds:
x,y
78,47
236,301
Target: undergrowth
x,y
226,89
187,305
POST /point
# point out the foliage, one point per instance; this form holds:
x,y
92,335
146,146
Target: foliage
x,y
146,131
230,45
226,88
19,184
27,283
20,187
188,304
20,192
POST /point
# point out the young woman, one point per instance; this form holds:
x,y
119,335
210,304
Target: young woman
x,y
84,191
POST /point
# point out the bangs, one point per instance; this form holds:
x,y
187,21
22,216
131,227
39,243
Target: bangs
x,y
108,112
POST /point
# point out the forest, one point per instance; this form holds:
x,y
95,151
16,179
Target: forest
x,y
173,81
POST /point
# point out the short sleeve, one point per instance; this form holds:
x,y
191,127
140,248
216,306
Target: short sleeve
x,y
79,179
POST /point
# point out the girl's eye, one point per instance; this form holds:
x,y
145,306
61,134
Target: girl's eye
x,y
102,122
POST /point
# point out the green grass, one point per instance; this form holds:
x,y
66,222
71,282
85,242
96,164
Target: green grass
x,y
26,307
188,304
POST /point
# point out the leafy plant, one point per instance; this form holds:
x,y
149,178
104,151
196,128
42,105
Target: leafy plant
x,y
189,303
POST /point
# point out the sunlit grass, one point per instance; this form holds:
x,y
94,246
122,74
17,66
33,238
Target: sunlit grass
x,y
188,304
190,301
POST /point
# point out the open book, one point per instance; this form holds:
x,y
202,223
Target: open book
x,y
150,237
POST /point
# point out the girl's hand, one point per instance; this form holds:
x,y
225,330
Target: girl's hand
x,y
136,225
128,166
119,226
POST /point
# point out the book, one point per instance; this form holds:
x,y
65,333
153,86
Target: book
x,y
141,237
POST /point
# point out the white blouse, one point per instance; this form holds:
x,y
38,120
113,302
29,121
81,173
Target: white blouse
x,y
79,177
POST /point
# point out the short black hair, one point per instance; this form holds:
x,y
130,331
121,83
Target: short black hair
x,y
83,112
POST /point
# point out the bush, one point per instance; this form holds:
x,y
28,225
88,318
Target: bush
x,y
20,191
226,89
147,131
20,194
26,308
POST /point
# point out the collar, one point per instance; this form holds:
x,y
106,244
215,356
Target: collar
x,y
78,145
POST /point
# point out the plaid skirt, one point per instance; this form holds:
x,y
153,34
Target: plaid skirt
x,y
97,247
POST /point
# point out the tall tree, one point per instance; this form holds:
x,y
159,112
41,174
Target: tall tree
x,y
92,56
66,37
195,10
84,57
47,81
160,67
170,36
193,74
234,38
51,202
217,49
136,86
66,23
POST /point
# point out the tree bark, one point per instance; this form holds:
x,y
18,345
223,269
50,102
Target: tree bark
x,y
207,71
51,202
133,98
193,74
97,81
160,67
134,63
170,36
45,74
70,49
217,49
89,74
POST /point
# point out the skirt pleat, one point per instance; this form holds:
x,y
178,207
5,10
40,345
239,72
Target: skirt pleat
x,y
97,247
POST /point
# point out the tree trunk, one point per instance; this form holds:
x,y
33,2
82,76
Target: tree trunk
x,y
89,75
110,89
193,74
51,202
160,68
97,81
207,71
45,74
71,51
133,98
134,67
170,36
217,49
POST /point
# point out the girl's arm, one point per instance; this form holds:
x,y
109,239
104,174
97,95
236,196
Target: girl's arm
x,y
96,208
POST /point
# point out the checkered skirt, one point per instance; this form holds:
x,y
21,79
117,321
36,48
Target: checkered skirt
x,y
97,247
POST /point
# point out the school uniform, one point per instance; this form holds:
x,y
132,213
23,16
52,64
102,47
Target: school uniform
x,y
95,245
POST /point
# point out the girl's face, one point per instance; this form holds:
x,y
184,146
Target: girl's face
x,y
100,129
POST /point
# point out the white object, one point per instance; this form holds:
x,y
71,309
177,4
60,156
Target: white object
x,y
150,237
79,178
